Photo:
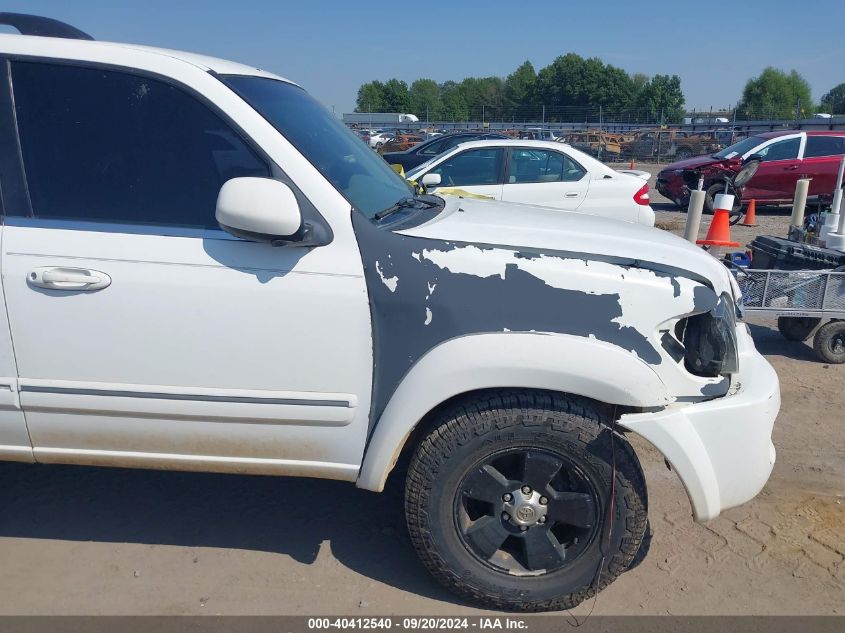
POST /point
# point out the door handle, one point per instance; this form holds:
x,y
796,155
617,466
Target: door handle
x,y
791,168
571,194
64,278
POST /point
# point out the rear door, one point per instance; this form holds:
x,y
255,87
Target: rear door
x,y
780,169
822,155
477,170
544,177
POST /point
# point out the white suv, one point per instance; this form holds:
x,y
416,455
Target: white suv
x,y
203,269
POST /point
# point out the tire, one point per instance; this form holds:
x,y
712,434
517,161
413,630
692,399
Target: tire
x,y
797,328
492,445
829,342
710,197
683,154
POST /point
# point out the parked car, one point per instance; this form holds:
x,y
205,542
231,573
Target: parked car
x,y
401,142
203,269
660,144
785,156
545,173
380,139
418,154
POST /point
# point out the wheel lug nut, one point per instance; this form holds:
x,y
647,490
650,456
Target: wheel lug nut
x,y
506,516
526,490
543,501
541,520
507,496
523,528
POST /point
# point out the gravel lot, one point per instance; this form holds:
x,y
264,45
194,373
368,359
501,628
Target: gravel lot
x,y
109,541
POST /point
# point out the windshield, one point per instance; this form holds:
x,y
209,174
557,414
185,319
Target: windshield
x,y
355,170
740,148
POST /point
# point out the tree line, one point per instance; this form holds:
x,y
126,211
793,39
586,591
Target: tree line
x,y
569,82
572,85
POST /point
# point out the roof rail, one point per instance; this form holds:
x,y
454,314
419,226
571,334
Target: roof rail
x,y
44,27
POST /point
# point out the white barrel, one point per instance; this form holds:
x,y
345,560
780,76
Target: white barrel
x,y
724,201
799,202
696,206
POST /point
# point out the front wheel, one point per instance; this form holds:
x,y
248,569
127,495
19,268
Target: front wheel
x,y
526,501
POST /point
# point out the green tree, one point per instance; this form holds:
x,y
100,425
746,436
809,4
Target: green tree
x,y
777,95
425,99
371,97
662,97
833,102
520,85
397,98
571,81
455,106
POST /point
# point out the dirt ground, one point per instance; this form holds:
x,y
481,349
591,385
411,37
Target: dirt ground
x,y
99,541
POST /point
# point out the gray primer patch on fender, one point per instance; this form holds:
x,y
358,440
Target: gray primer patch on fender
x,y
704,299
409,318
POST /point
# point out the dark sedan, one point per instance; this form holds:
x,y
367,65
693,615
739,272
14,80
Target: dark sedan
x,y
434,146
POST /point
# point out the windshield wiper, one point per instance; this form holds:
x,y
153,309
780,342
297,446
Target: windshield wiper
x,y
404,203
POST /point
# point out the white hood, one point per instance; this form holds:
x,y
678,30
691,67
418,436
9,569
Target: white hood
x,y
524,226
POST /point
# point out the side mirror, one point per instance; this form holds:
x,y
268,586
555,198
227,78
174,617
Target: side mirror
x,y
430,180
757,157
258,209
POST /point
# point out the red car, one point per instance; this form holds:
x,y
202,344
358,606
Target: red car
x,y
784,158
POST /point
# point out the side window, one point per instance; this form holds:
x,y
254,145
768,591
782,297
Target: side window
x,y
824,146
782,150
111,146
533,166
472,167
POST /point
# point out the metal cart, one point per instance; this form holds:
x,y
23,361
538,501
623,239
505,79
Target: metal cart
x,y
801,300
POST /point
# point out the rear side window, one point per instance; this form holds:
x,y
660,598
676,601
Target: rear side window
x,y
824,146
110,146
535,166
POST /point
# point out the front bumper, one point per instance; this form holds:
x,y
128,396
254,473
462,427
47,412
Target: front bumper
x,y
722,448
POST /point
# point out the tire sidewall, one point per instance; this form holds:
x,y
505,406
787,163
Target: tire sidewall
x,y
592,459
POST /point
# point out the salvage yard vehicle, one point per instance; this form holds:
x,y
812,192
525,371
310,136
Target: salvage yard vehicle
x,y
379,139
784,157
418,154
401,142
605,145
545,173
203,269
653,144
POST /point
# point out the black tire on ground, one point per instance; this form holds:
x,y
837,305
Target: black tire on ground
x,y
797,328
710,196
492,447
829,342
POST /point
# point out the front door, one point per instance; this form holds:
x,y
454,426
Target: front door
x,y
477,171
144,335
778,172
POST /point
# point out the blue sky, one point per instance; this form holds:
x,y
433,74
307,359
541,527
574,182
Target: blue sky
x,y
332,47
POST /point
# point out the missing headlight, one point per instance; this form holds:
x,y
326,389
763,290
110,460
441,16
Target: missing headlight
x,y
710,341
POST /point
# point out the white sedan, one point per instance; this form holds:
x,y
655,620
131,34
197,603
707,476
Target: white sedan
x,y
542,173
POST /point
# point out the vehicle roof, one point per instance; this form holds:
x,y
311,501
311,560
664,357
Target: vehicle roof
x,y
513,142
61,47
807,132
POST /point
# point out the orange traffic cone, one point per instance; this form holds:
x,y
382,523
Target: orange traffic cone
x,y
750,218
719,233
632,163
